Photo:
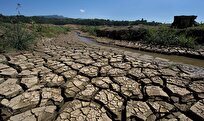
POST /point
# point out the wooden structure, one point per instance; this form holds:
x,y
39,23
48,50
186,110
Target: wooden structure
x,y
183,21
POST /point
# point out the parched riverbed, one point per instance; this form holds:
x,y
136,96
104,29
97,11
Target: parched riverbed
x,y
67,79
169,57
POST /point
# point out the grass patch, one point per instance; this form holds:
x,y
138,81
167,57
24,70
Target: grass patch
x,y
49,30
21,36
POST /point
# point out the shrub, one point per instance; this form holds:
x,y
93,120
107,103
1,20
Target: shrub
x,y
90,29
169,37
18,37
123,34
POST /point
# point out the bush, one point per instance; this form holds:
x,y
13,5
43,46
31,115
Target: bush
x,y
162,35
197,33
170,37
90,29
123,34
16,37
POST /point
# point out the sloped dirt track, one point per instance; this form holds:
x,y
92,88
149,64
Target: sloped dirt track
x,y
67,80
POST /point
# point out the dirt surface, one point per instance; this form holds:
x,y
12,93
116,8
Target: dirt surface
x,y
64,79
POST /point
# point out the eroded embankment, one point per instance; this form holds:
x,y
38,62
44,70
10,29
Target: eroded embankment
x,y
137,38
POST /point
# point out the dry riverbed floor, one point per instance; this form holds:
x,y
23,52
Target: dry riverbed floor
x,y
64,79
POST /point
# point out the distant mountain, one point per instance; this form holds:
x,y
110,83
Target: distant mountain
x,y
54,16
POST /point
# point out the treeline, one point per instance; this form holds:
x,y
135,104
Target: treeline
x,y
63,21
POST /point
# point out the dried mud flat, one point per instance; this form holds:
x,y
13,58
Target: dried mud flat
x,y
64,79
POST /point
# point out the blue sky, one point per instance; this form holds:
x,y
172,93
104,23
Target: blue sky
x,y
151,10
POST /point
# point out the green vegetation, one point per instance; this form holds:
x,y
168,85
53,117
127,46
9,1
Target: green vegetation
x,y
159,35
22,36
63,21
49,30
16,34
169,37
90,29
16,37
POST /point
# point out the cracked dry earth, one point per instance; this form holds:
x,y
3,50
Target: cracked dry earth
x,y
64,79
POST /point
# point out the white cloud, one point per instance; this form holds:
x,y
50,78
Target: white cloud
x,y
82,10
